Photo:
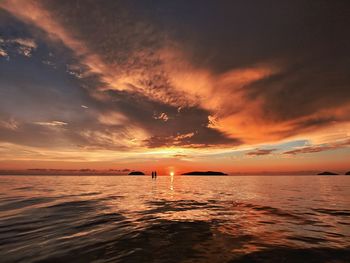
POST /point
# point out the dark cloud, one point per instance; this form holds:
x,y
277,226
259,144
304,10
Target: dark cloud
x,y
184,127
228,34
40,88
35,92
305,40
259,152
203,137
116,30
303,90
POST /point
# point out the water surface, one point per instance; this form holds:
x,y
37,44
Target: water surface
x,y
174,219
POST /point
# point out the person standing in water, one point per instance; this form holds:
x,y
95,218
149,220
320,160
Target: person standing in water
x,y
155,174
152,174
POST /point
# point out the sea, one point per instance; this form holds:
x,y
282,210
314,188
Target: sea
x,y
175,219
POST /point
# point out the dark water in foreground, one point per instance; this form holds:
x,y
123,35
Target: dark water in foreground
x,y
180,219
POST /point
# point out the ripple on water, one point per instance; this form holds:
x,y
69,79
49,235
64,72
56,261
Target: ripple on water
x,y
189,220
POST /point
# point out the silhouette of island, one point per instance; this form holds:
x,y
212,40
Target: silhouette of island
x,y
204,173
347,173
327,173
136,173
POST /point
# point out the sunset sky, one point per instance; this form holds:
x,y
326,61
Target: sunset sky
x,y
235,86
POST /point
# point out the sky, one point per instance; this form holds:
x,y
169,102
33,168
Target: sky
x,y
235,86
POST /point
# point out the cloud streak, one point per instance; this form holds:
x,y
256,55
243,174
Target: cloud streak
x,y
51,123
259,152
320,148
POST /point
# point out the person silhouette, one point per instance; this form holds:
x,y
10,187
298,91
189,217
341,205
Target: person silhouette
x,y
152,174
155,174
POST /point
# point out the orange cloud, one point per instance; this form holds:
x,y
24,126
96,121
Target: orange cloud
x,y
166,74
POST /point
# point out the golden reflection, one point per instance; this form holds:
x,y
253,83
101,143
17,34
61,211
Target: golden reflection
x,y
171,181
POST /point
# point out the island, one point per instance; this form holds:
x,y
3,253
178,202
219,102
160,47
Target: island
x,y
327,173
136,173
204,173
347,173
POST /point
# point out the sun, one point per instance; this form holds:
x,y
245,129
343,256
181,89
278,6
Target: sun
x,y
171,173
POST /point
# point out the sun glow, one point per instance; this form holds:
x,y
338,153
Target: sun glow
x,y
171,173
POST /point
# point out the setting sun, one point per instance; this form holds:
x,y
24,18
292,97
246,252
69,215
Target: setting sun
x,y
171,173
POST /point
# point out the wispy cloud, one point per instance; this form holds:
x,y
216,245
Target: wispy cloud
x,y
22,46
10,124
320,148
259,152
51,123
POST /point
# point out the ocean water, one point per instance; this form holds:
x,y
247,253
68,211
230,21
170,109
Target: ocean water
x,y
175,219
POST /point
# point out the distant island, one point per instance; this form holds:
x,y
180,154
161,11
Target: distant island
x,y
347,173
136,173
204,173
327,173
